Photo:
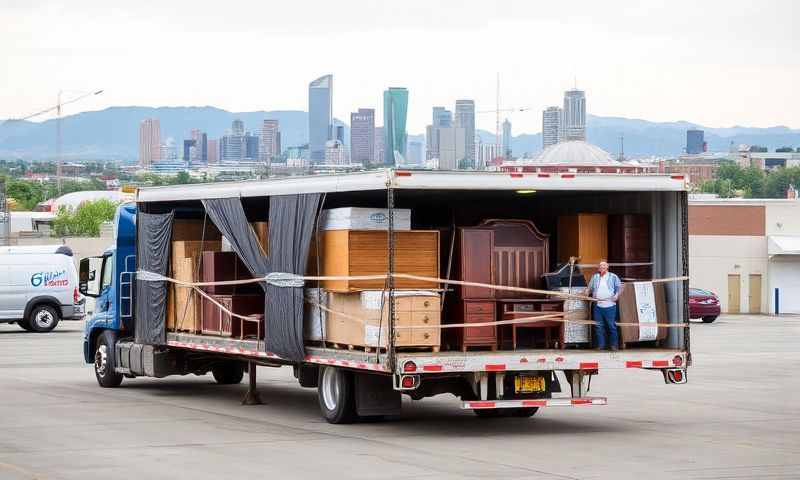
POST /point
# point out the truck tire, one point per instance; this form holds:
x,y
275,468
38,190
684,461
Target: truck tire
x,y
229,373
43,318
523,412
709,319
489,412
104,362
23,324
337,399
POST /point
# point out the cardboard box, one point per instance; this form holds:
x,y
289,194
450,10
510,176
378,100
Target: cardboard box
x,y
362,318
364,252
183,230
183,304
642,303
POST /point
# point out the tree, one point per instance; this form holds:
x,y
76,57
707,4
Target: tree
x,y
85,220
779,179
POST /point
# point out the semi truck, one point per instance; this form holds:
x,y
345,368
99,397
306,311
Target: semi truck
x,y
126,336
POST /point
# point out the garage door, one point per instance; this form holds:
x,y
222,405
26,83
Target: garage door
x,y
784,272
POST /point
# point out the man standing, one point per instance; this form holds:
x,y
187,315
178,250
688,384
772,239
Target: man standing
x,y
604,287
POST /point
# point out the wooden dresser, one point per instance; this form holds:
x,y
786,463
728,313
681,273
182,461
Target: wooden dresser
x,y
629,242
501,252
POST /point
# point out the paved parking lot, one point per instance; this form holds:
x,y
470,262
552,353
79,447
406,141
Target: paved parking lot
x,y
739,417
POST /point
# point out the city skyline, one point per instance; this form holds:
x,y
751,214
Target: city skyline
x,y
634,68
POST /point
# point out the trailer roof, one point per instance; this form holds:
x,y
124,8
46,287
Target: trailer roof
x,y
417,180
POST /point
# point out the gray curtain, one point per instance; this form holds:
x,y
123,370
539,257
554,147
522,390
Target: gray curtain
x,y
291,226
154,233
229,217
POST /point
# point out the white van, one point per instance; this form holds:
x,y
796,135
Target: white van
x,y
39,287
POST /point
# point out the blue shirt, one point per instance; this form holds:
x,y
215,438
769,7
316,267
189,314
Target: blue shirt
x,y
615,284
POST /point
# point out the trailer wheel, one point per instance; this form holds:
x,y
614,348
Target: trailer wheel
x,y
43,318
229,373
524,412
337,395
104,363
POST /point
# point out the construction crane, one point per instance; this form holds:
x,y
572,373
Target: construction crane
x,y
57,108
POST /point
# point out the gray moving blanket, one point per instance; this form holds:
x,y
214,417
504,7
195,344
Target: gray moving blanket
x,y
154,233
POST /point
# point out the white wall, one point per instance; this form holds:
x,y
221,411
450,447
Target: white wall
x,y
713,257
784,274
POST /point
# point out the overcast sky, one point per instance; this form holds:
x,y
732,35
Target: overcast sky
x,y
717,63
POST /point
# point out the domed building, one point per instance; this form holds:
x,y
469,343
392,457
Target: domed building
x,y
575,156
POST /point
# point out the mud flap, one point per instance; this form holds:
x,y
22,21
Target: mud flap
x,y
375,395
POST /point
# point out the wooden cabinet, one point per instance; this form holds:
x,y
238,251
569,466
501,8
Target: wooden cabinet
x,y
473,311
474,264
629,242
585,236
519,256
220,323
364,252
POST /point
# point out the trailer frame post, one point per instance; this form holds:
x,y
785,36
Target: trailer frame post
x,y
252,397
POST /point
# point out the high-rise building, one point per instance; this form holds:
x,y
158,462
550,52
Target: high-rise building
x,y
465,118
270,147
442,118
339,129
487,153
320,116
695,141
414,153
362,136
199,152
213,151
506,140
452,148
149,142
188,149
379,147
551,126
395,111
237,127
168,151
250,143
574,115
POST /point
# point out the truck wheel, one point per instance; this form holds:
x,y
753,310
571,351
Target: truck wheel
x,y
229,373
489,412
104,363
23,324
337,395
43,318
709,319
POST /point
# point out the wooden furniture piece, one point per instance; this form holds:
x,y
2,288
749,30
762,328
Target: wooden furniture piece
x,y
473,311
519,256
411,310
223,267
585,236
220,323
629,242
512,309
474,262
183,304
364,252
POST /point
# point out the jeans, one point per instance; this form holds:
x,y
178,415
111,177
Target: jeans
x,y
605,317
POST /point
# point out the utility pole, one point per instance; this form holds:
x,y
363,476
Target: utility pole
x,y
59,157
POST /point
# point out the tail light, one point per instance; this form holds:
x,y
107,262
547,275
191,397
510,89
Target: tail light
x,y
409,367
677,360
75,295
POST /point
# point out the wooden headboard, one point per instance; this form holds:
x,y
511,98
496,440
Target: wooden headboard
x,y
520,255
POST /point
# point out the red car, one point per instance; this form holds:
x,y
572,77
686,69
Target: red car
x,y
703,304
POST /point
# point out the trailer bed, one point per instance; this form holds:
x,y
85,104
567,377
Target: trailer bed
x,y
447,362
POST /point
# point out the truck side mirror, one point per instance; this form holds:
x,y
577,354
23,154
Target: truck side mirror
x,y
88,281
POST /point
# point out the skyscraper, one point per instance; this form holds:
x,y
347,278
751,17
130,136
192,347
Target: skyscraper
x,y
414,153
339,129
465,118
270,141
237,127
551,126
199,149
362,136
213,151
442,118
695,141
379,147
395,110
320,116
250,143
506,140
574,115
452,144
149,142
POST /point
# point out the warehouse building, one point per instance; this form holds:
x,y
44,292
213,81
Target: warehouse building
x,y
747,251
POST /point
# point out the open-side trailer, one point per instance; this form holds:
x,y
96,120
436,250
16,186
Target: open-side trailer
x,y
354,383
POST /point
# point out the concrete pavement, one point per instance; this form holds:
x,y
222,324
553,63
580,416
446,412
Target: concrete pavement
x,y
738,417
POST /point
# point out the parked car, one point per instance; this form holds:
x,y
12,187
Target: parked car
x,y
703,304
39,287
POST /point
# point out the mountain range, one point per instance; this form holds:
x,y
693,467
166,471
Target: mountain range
x,y
113,133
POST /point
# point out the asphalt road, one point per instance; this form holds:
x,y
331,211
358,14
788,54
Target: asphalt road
x,y
739,417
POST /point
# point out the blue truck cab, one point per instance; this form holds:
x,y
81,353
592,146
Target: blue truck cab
x,y
109,279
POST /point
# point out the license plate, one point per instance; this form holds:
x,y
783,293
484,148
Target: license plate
x,y
528,384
